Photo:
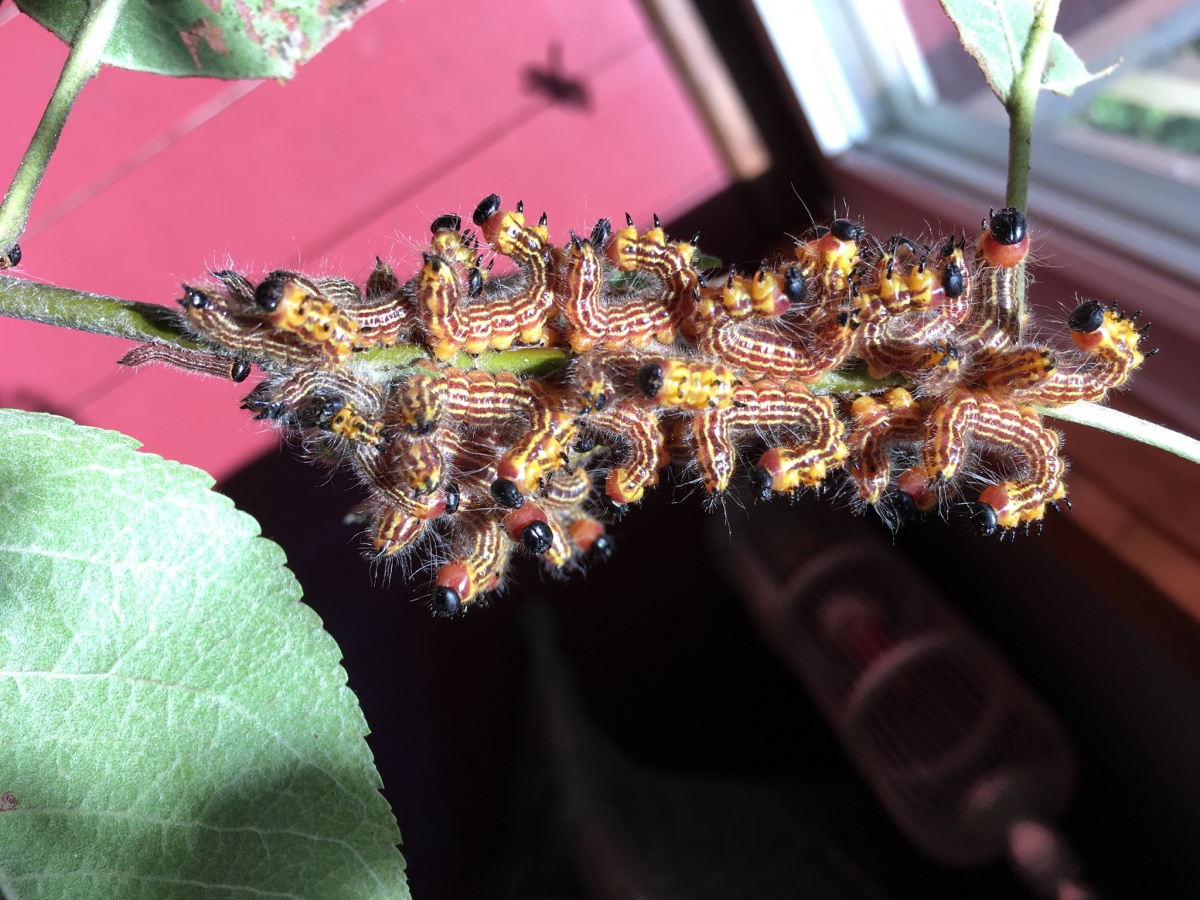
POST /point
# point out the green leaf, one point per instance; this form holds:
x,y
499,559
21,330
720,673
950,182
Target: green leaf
x,y
996,33
174,722
214,38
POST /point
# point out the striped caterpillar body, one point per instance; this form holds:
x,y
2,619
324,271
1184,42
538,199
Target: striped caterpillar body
x,y
719,375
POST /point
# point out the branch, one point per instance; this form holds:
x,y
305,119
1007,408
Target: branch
x,y
67,308
95,313
84,60
1108,419
81,311
1021,103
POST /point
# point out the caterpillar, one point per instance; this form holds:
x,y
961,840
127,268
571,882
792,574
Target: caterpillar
x,y
665,365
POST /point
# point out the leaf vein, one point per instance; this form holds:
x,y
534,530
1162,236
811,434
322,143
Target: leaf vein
x,y
223,699
40,878
207,826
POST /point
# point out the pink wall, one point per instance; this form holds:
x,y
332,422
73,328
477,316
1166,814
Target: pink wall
x,y
403,118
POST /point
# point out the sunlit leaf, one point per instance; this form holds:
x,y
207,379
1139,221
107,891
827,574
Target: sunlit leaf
x,y
996,32
174,722
214,38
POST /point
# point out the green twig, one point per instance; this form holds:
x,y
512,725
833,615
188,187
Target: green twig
x,y
1108,419
81,311
1021,103
54,305
82,63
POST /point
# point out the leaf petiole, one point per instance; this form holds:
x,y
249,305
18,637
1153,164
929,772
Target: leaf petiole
x,y
82,63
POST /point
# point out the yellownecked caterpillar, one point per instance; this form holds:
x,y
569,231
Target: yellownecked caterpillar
x,y
666,364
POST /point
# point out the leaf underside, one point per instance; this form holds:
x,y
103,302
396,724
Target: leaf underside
x,y
212,38
996,32
174,722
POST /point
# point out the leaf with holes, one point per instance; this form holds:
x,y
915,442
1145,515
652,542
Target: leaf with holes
x,y
996,32
175,723
214,38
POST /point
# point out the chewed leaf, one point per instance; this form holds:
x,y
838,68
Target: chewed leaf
x,y
175,722
1065,71
213,38
996,32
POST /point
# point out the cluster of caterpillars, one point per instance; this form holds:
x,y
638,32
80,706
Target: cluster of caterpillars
x,y
715,375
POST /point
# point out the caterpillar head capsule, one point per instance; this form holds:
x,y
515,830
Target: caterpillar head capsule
x,y
487,208
196,299
507,494
760,483
983,517
602,549
1005,241
445,602
537,537
527,525
449,222
1087,317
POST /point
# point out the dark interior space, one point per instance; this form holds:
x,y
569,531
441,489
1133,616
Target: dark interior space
x,y
681,693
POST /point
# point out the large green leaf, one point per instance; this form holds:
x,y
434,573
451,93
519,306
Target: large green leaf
x,y
173,721
215,38
995,32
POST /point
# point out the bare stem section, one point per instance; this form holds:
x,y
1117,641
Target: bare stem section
x,y
1022,102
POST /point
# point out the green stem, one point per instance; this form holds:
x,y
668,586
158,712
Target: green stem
x,y
1116,422
81,311
53,305
82,63
1021,103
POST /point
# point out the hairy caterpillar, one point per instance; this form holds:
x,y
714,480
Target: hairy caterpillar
x,y
720,374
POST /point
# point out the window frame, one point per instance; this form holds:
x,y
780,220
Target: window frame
x,y
1137,242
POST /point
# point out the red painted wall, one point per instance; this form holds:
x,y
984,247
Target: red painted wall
x,y
406,116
